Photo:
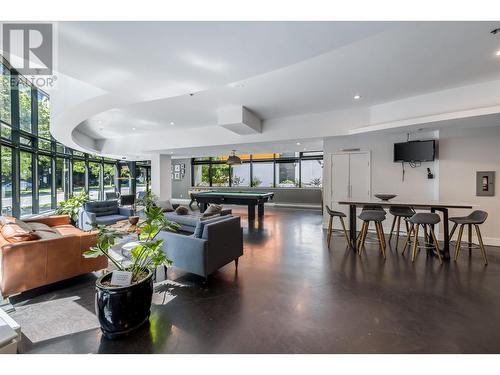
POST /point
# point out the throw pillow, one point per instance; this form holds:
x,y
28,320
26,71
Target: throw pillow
x,y
213,209
13,233
181,210
166,206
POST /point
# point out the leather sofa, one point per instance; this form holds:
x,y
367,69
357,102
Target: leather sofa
x,y
56,255
102,213
220,242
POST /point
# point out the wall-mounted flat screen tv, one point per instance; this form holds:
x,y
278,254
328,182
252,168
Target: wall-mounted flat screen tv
x,y
415,151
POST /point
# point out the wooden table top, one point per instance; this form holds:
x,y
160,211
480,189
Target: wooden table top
x,y
405,203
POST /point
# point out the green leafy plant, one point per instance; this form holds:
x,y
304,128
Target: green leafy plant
x,y
256,182
148,200
72,206
147,255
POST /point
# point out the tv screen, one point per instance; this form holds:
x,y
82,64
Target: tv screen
x,y
414,151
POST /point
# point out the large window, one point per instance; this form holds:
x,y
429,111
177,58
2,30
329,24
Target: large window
x,y
220,175
287,174
141,179
109,178
240,175
263,174
311,173
278,170
7,180
62,179
4,95
201,175
94,181
35,168
78,176
25,106
26,182
125,180
44,183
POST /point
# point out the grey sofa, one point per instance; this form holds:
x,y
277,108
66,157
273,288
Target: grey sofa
x,y
221,243
188,222
102,213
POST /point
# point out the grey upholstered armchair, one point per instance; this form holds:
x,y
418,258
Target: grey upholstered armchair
x,y
102,213
221,242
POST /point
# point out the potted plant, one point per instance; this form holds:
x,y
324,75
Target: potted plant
x,y
123,309
72,206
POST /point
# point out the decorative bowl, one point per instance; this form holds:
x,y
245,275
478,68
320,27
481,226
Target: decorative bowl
x,y
385,197
133,220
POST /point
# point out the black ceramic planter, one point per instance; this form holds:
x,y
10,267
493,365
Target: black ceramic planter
x,y
122,310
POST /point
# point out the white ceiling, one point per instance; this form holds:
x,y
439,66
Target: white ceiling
x,y
276,69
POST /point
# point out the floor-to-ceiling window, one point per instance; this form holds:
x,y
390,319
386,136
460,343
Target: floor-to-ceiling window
x,y
44,183
109,178
62,179
141,179
125,180
78,176
7,179
277,170
26,182
37,171
94,181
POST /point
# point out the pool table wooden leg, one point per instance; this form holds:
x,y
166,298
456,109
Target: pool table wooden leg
x,y
251,211
261,209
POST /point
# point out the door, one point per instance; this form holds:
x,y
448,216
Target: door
x,y
350,178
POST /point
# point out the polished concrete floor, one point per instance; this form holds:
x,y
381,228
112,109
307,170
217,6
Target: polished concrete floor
x,y
292,294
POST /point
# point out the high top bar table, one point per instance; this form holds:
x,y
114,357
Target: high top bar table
x,y
433,206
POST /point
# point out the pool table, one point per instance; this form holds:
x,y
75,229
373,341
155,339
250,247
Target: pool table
x,y
245,198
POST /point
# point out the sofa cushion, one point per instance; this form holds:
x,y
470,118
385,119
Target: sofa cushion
x,y
48,235
67,230
213,209
18,232
200,229
102,208
181,210
40,227
166,206
109,219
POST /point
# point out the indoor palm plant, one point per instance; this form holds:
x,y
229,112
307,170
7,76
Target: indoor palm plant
x,y
122,309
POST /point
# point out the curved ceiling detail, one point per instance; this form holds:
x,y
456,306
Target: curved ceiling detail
x,y
158,85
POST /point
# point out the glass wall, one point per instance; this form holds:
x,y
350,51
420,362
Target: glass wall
x,y
44,183
38,172
125,180
109,178
263,174
26,182
7,180
201,175
311,173
278,170
141,179
78,176
62,179
94,181
240,175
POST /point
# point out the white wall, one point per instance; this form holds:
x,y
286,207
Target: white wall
x,y
387,175
161,176
463,152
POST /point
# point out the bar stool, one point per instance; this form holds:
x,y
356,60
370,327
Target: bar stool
x,y
475,218
424,220
377,217
341,216
399,212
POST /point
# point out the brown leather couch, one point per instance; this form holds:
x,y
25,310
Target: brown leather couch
x,y
53,255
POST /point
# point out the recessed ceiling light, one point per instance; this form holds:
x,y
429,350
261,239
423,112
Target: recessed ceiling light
x,y
305,149
357,97
99,121
172,123
298,143
133,128
498,53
